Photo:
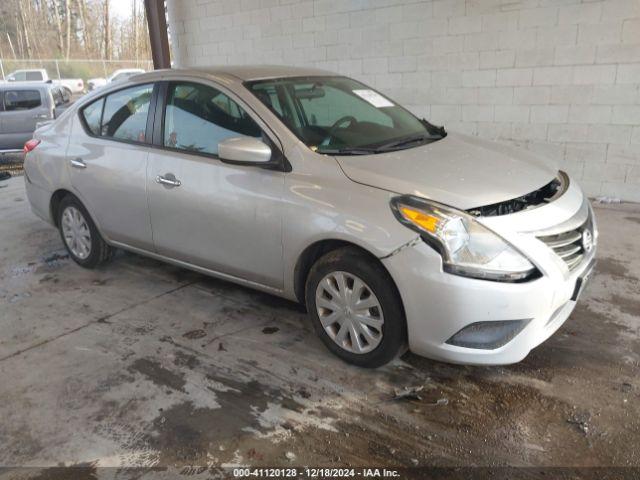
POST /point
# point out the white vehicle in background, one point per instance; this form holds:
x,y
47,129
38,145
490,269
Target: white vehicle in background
x,y
73,85
118,75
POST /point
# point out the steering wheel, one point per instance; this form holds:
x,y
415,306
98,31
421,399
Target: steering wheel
x,y
338,123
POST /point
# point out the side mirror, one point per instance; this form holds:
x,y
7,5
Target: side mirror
x,y
244,150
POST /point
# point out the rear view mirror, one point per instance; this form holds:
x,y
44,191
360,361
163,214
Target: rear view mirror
x,y
309,93
244,150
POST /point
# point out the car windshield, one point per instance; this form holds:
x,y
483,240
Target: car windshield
x,y
338,115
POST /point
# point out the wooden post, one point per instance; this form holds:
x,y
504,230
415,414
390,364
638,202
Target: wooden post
x,y
157,22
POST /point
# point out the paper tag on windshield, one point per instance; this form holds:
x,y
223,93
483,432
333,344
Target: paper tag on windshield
x,y
374,98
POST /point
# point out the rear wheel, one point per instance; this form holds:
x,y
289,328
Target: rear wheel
x,y
80,235
355,308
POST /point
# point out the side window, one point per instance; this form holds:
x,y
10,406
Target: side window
x,y
33,76
198,117
91,115
21,100
125,114
19,77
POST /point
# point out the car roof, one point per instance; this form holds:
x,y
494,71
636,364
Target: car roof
x,y
239,72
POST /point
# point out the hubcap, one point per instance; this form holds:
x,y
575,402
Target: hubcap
x,y
349,312
76,232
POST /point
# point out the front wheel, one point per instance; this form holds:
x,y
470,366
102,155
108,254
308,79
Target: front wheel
x,y
80,235
355,308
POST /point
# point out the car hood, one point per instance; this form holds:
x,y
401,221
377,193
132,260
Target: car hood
x,y
460,171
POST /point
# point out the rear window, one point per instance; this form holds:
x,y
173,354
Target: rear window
x,y
21,100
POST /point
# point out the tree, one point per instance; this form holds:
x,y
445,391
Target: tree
x,y
56,13
32,29
107,31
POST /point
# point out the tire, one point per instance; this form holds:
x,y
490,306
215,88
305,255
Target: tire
x,y
384,340
93,250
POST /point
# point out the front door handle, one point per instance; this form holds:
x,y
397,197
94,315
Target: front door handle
x,y
78,163
170,182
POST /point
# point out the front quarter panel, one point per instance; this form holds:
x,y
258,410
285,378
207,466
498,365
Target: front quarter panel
x,y
321,203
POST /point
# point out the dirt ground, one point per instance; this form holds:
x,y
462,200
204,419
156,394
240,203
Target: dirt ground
x,y
145,364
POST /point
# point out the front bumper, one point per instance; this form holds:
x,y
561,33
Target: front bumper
x,y
438,304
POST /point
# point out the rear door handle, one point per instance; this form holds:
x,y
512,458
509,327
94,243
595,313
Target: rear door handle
x,y
78,163
170,182
42,116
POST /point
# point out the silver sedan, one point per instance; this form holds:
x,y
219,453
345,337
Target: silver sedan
x,y
312,186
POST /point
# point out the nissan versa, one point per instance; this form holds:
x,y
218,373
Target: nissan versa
x,y
317,188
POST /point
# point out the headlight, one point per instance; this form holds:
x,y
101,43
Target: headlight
x,y
467,247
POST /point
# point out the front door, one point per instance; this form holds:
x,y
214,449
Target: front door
x,y
223,217
107,155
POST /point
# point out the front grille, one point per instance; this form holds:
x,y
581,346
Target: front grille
x,y
573,240
568,246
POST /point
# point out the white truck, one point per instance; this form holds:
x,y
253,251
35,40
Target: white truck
x,y
73,85
118,75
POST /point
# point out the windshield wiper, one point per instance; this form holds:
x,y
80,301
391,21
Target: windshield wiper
x,y
348,151
403,142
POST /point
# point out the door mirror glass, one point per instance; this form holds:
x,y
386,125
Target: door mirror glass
x,y
244,150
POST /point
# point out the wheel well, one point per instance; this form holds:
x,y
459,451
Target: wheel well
x,y
56,199
311,254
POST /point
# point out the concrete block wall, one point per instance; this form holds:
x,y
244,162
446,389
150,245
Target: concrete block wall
x,y
561,77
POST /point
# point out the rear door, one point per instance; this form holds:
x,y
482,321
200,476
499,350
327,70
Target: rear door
x,y
108,153
22,109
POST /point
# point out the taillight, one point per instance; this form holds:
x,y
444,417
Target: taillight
x,y
30,145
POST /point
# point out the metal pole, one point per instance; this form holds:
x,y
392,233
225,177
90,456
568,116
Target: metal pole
x,y
157,21
58,69
2,69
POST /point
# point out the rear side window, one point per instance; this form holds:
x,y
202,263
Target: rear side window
x,y
21,100
198,117
92,114
125,114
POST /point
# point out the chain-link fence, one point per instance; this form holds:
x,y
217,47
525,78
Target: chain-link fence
x,y
60,68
